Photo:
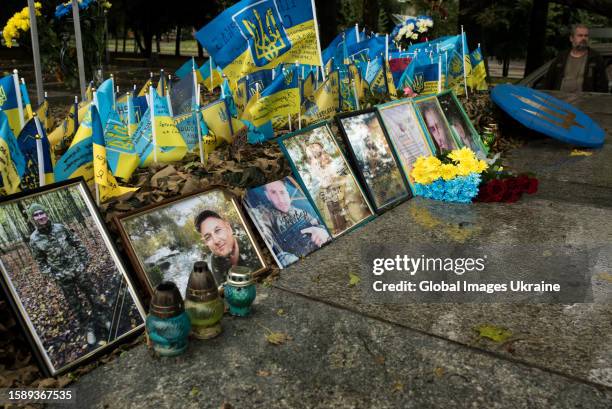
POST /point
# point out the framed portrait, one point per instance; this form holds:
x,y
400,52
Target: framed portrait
x,y
460,123
434,122
373,159
405,133
287,221
164,240
64,277
325,175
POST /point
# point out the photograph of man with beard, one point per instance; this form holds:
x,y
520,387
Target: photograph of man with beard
x,y
60,255
436,124
227,249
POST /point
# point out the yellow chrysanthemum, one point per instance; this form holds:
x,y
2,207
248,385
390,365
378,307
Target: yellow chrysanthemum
x,y
463,154
448,171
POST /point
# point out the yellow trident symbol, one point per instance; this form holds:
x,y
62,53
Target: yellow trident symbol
x,y
268,43
565,120
3,96
289,77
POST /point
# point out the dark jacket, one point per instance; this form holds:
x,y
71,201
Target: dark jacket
x,y
595,77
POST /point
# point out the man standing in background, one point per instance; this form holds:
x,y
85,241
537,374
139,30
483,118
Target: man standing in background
x,y
579,69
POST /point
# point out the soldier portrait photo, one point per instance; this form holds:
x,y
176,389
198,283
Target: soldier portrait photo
x,y
167,239
286,220
380,173
459,122
328,179
65,277
435,124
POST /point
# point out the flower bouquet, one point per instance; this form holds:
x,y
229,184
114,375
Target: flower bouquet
x,y
411,29
499,185
451,177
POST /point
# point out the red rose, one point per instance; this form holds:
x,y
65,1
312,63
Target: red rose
x,y
492,191
533,186
513,197
522,182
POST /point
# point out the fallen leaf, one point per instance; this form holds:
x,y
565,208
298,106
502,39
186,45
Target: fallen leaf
x,y
398,387
263,374
353,279
280,312
439,372
277,338
604,277
578,152
379,359
494,333
194,392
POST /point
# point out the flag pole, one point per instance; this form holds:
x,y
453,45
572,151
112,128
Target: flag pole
x,y
316,27
36,52
39,151
357,31
169,102
130,109
79,46
95,104
113,92
153,130
199,131
76,113
210,62
19,96
162,82
463,60
439,73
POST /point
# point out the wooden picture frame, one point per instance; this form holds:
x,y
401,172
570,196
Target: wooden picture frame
x,y
326,176
162,248
373,158
64,277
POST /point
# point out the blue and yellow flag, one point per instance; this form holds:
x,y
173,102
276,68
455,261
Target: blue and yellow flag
x,y
63,134
186,69
12,161
348,100
478,77
375,76
78,159
187,126
27,105
169,144
280,98
27,144
106,99
421,76
120,151
241,96
338,47
218,120
42,111
145,88
183,96
363,50
253,35
9,104
108,186
324,102
209,75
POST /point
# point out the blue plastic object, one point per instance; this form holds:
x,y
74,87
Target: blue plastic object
x,y
548,115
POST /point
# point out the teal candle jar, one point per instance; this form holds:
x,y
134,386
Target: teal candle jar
x,y
239,290
167,324
202,303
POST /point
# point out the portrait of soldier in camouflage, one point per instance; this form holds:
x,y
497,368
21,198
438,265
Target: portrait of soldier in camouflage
x,y
60,255
286,220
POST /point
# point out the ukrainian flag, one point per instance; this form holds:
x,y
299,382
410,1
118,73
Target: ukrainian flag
x,y
375,76
169,144
324,102
347,92
64,133
27,144
478,78
240,96
27,105
9,104
145,88
42,111
12,161
281,98
421,76
253,35
186,69
120,151
203,75
108,186
218,119
106,99
77,161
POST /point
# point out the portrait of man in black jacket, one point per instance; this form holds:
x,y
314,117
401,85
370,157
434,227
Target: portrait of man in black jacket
x,y
580,69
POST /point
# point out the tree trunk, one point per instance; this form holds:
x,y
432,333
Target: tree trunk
x,y
603,7
370,14
467,19
327,17
505,66
177,44
537,36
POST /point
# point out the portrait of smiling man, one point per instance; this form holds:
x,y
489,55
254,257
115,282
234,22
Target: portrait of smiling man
x,y
226,248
